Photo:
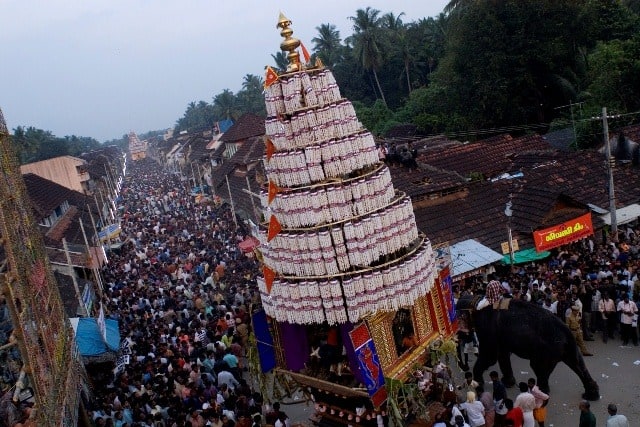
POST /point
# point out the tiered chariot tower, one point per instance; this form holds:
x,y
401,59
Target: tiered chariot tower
x,y
339,243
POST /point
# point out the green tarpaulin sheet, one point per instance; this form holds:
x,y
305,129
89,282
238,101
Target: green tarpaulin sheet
x,y
525,255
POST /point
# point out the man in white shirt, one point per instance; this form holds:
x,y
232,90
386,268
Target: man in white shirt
x,y
549,306
226,377
615,419
628,310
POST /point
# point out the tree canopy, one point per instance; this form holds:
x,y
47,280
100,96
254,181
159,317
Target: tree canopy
x,y
34,144
479,65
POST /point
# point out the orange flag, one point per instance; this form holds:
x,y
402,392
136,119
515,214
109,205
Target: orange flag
x,y
274,228
270,149
270,78
273,190
305,53
269,275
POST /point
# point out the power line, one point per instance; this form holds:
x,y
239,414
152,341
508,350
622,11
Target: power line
x,y
514,128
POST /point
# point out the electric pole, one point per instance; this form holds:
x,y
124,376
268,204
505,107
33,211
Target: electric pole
x,y
610,163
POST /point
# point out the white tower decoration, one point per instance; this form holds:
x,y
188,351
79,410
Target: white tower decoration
x,y
338,241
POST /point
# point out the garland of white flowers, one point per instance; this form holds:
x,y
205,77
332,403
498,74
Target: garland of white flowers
x,y
350,298
367,239
293,92
348,244
333,203
334,158
309,127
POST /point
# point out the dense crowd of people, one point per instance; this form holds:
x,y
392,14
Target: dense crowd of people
x,y
594,288
181,290
599,281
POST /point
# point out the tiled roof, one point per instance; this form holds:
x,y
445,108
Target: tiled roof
x,y
434,142
248,125
97,169
580,175
196,148
424,180
100,160
57,231
489,157
555,187
561,139
45,195
111,151
246,162
251,151
163,145
631,132
248,154
218,176
476,214
219,151
479,214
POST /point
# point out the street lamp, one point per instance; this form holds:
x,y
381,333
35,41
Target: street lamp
x,y
509,213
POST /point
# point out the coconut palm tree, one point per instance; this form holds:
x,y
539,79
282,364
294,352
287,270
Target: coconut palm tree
x,y
250,98
397,31
327,45
457,5
252,82
367,42
281,61
435,32
392,22
224,105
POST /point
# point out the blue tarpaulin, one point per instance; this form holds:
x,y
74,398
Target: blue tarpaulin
x,y
89,339
224,125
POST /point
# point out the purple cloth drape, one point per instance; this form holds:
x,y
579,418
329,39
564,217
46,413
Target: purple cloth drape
x,y
351,355
295,345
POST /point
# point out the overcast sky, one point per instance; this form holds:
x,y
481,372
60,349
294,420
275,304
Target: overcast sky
x,y
101,68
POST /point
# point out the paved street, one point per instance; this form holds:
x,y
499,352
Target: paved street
x,y
612,367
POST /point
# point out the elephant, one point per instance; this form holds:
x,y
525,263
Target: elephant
x,y
530,332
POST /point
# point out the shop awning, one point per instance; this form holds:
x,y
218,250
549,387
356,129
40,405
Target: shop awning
x,y
111,231
89,339
525,255
470,255
623,215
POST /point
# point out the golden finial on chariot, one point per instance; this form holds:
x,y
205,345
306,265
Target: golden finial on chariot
x,y
290,44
